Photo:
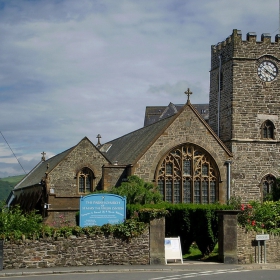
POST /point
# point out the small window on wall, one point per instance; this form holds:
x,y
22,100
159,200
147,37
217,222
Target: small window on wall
x,y
267,185
267,130
220,79
85,177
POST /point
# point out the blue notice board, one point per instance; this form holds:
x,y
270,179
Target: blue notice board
x,y
101,209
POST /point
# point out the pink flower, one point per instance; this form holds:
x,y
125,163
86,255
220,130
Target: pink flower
x,y
253,223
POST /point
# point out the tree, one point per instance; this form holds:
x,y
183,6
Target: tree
x,y
137,191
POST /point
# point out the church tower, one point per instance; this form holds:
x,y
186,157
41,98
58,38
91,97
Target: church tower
x,y
244,109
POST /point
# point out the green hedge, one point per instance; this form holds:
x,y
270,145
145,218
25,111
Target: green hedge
x,y
15,225
192,222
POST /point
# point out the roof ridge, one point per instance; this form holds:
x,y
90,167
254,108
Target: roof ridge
x,y
144,127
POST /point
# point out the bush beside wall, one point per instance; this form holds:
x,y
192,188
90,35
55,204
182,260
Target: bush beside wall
x,y
76,251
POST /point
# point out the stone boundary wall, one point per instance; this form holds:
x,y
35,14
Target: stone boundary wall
x,y
76,251
247,247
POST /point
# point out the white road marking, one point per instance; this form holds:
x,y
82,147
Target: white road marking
x,y
196,274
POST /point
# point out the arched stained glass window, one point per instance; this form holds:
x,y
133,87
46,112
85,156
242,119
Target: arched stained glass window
x,y
188,174
85,177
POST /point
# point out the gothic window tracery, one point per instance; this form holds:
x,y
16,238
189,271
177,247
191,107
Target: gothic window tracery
x,y
85,180
267,130
188,174
267,185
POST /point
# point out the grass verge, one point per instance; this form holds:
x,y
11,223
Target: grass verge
x,y
195,254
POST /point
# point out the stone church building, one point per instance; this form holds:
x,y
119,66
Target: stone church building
x,y
194,153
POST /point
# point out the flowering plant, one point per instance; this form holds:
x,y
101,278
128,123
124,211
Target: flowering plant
x,y
260,217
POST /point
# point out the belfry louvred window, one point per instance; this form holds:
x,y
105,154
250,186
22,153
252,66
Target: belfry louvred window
x,y
85,177
188,174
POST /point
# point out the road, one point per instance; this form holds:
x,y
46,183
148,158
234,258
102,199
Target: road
x,y
229,274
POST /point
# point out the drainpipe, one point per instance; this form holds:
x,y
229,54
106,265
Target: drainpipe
x,y
219,94
228,179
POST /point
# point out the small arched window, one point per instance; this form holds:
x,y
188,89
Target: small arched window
x,y
267,185
267,130
85,180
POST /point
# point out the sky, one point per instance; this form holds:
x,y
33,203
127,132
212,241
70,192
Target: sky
x,y
70,69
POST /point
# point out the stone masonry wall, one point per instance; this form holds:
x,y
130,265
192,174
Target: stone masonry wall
x,y
113,175
83,155
251,163
248,249
76,251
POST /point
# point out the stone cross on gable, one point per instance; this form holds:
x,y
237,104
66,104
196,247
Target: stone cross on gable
x,y
98,143
188,92
43,156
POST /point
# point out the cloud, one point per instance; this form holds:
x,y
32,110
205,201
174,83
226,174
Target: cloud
x,y
70,69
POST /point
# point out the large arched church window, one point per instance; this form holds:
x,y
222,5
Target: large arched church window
x,y
266,185
267,130
85,180
188,174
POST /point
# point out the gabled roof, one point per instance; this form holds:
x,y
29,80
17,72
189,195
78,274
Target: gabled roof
x,y
35,176
156,113
128,148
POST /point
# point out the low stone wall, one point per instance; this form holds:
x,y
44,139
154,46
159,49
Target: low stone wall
x,y
247,248
76,251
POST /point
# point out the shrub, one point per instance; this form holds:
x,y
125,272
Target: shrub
x,y
137,191
260,217
14,224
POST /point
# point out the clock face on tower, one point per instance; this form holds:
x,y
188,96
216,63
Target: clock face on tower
x,y
267,71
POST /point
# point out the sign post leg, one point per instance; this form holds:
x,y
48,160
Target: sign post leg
x,y
264,251
1,253
259,251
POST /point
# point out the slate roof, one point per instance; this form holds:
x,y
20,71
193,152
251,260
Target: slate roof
x,y
126,149
35,176
156,113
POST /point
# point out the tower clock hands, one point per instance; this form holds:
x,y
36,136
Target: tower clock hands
x,y
268,71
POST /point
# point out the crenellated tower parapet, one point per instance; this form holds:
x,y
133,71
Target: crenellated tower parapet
x,y
234,46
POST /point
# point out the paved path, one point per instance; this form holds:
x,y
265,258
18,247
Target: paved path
x,y
186,266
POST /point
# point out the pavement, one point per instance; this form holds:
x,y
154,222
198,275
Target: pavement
x,y
186,266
